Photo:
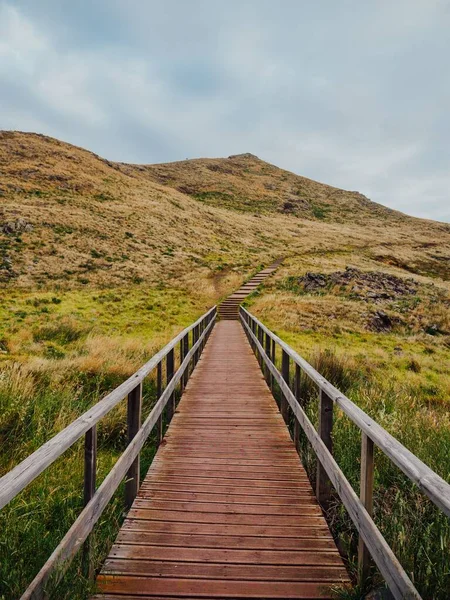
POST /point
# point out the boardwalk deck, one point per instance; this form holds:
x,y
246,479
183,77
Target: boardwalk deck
x,y
226,509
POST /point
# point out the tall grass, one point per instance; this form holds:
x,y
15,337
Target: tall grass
x,y
34,406
38,398
417,531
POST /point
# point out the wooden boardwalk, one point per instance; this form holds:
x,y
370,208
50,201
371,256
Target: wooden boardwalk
x,y
226,509
229,308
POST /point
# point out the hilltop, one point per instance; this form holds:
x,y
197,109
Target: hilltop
x,y
71,218
245,183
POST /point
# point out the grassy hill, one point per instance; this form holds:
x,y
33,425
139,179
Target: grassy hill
x,y
101,263
70,218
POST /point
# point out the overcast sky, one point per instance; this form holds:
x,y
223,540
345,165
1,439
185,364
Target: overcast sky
x,y
354,93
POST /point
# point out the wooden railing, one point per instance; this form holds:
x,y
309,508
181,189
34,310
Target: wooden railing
x,y
372,542
191,342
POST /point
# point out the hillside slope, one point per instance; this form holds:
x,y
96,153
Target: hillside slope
x,y
70,218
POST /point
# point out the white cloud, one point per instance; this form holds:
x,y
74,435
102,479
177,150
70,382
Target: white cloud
x,y
349,93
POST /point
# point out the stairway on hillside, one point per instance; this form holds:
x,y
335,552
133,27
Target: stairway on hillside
x,y
229,308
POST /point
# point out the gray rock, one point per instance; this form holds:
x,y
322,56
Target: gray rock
x,y
18,226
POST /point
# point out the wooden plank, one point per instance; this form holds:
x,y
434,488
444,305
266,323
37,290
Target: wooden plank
x,y
266,495
300,529
226,518
216,497
238,483
224,555
217,588
245,508
151,568
137,537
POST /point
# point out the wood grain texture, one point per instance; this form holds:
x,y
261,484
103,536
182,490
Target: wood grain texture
x,y
226,509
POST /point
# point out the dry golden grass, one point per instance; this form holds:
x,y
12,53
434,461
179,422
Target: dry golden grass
x,y
98,223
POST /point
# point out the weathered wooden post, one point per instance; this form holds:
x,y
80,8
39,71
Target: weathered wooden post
x,y
170,365
273,358
90,463
258,337
267,351
285,362
185,353
325,427
134,411
296,433
366,497
181,360
261,341
194,341
160,426
90,476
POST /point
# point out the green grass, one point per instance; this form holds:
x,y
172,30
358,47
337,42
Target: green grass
x,y
61,353
136,312
320,211
32,525
411,405
233,202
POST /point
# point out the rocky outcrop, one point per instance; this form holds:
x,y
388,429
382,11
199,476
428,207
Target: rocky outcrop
x,y
18,226
371,286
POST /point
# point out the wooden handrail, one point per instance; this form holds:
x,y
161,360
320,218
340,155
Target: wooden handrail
x,y
429,482
371,539
25,472
81,528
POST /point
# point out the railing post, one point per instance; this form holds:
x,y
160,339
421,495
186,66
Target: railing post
x,y
285,375
159,431
170,365
297,397
90,475
184,349
273,358
181,360
267,351
366,497
90,463
258,337
253,328
202,329
261,341
194,341
134,409
185,342
323,484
